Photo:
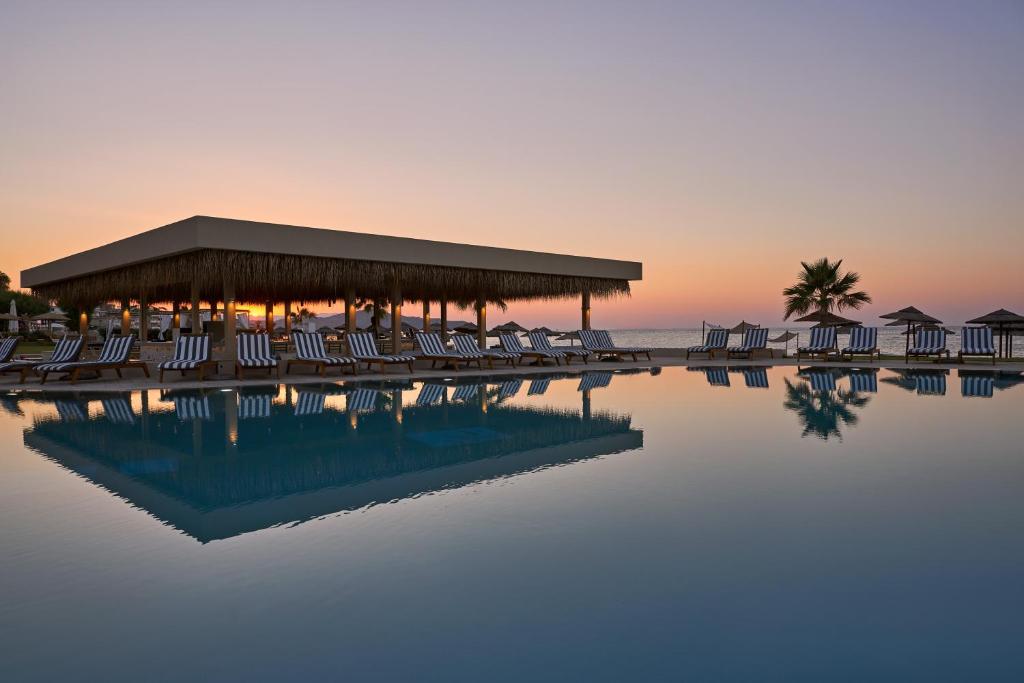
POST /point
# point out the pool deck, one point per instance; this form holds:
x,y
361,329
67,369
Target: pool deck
x,y
662,358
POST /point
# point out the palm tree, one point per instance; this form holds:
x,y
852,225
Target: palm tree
x,y
821,287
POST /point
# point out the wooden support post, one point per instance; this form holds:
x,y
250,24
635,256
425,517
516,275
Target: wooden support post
x,y
197,323
481,322
83,323
269,312
350,310
444,319
426,316
230,343
143,322
396,318
585,310
288,319
175,321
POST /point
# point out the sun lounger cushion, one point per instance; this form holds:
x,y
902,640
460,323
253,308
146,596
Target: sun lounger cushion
x,y
864,382
363,348
190,351
600,341
66,351
931,384
594,380
716,339
511,343
540,342
753,339
7,348
466,345
977,385
822,339
254,351
862,340
977,341
192,408
309,346
115,351
928,342
431,345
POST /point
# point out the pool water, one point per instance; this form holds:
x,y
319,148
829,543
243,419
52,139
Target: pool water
x,y
721,524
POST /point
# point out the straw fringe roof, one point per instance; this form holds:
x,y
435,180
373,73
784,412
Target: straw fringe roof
x,y
262,277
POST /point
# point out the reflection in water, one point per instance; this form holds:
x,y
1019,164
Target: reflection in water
x,y
820,405
219,463
922,382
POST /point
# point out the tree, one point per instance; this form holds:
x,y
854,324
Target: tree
x,y
820,286
5,281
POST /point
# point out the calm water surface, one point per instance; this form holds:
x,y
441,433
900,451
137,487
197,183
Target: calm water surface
x,y
676,525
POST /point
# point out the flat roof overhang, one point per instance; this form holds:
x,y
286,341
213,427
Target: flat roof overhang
x,y
205,233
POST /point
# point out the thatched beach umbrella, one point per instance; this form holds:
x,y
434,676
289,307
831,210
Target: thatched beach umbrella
x,y
511,327
50,318
546,331
466,328
743,327
1000,320
910,316
827,319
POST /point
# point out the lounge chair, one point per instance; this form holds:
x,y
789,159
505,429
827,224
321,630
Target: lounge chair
x,y
310,350
7,347
977,341
823,343
977,385
433,349
364,349
113,356
191,352
540,342
466,345
928,343
594,380
717,340
863,341
754,339
254,353
511,344
67,351
600,343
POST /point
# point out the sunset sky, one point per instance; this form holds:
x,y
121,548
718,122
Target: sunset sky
x,y
720,143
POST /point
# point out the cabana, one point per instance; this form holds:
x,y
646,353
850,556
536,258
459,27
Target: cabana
x,y
223,262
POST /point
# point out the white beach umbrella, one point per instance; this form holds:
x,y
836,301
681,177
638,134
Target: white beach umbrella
x,y
12,326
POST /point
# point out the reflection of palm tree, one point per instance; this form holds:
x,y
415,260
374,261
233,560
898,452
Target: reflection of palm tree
x,y
822,413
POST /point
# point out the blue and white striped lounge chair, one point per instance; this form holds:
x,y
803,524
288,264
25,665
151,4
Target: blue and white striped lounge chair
x,y
930,383
863,341
192,407
361,400
433,349
118,410
309,402
928,343
600,343
71,411
864,382
254,353
540,342
7,346
310,350
538,386
253,406
509,389
754,339
977,341
980,386
465,392
511,343
430,394
822,382
363,348
717,340
594,380
67,350
822,343
113,356
466,345
191,352
756,378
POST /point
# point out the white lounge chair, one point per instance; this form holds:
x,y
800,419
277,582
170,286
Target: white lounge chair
x,y
466,345
191,352
310,350
67,350
863,341
717,340
977,341
254,353
432,348
599,342
928,343
754,339
540,342
113,356
511,344
822,343
363,348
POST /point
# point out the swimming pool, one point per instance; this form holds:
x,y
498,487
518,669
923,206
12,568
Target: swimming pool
x,y
718,524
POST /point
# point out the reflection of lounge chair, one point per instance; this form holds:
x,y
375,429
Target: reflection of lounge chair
x,y
363,347
823,343
511,344
594,380
191,352
465,392
118,410
252,406
599,343
538,386
754,339
977,385
756,378
977,341
433,349
310,350
509,389
717,377
928,343
361,400
466,345
67,351
865,381
863,341
113,356
717,340
254,353
930,384
540,342
822,381
309,402
192,407
430,394
71,411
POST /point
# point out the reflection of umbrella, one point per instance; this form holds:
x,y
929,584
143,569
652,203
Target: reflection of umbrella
x,y
1001,320
743,327
826,319
910,316
506,328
